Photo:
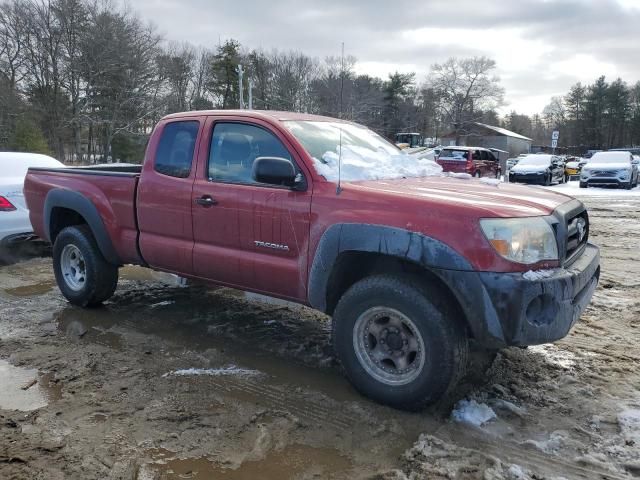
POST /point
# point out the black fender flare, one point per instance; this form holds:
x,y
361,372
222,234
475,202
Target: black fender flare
x,y
80,204
452,268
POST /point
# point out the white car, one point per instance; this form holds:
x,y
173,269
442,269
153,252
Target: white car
x,y
610,168
15,225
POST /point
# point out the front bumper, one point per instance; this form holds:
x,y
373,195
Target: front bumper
x,y
605,181
505,309
527,178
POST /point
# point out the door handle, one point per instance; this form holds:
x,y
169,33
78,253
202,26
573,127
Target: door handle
x,y
206,201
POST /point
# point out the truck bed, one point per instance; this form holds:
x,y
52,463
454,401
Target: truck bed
x,y
111,189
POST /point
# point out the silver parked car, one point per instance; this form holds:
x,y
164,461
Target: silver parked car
x,y
610,168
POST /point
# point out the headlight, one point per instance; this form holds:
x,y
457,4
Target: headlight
x,y
523,240
585,172
624,174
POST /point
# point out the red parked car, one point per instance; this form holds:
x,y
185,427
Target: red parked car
x,y
410,269
476,161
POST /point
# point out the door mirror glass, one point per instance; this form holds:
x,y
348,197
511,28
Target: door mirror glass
x,y
275,171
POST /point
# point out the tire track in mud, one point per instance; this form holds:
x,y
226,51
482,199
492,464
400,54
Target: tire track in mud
x,y
279,398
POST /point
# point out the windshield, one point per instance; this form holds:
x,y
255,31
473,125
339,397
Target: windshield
x,y
611,157
538,160
365,154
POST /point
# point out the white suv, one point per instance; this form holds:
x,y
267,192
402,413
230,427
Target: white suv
x,y
610,168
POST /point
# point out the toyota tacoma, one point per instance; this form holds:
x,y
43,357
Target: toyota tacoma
x,y
412,265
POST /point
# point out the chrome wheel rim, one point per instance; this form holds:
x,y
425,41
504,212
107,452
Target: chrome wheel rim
x,y
389,346
73,267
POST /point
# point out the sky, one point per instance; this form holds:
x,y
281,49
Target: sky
x,y
541,47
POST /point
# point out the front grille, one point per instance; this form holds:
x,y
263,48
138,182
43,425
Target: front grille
x,y
577,234
605,173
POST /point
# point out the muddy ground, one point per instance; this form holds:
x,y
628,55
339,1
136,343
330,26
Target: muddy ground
x,y
173,382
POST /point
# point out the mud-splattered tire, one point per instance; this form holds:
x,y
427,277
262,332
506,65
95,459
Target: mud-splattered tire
x,y
83,275
437,337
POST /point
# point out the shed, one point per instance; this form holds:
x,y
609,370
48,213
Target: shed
x,y
488,136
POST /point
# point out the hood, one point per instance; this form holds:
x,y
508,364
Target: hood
x,y
519,168
488,199
607,166
572,164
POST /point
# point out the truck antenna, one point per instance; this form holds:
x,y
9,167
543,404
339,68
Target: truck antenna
x,y
339,187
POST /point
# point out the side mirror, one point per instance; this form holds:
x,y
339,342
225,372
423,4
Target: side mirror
x,y
276,171
635,161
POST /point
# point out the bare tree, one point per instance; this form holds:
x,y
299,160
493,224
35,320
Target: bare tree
x,y
12,37
466,87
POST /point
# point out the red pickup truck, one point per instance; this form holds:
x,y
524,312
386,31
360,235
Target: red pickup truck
x,y
411,269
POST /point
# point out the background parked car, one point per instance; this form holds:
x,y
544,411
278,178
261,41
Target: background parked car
x,y
15,226
512,162
610,168
538,168
476,161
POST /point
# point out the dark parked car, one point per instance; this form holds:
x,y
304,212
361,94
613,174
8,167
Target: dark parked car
x,y
538,168
476,161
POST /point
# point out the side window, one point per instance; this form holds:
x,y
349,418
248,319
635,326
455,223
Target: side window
x,y
234,148
477,155
175,149
491,156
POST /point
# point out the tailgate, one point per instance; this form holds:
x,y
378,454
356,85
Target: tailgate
x,y
451,165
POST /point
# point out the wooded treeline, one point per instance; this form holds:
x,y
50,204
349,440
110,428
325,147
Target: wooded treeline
x,y
601,115
86,80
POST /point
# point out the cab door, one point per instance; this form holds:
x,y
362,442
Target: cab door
x,y
247,234
164,196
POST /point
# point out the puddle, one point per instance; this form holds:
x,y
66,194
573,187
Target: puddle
x,y
294,461
30,290
91,325
133,272
25,389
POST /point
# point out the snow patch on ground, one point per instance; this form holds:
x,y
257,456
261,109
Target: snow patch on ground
x,y
555,355
162,304
458,175
573,189
515,472
629,422
550,445
359,163
490,181
214,372
534,275
472,413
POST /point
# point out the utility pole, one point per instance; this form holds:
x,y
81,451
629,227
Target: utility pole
x,y
240,74
250,93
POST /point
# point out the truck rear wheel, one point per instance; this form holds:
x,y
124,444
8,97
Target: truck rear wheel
x,y
83,275
398,342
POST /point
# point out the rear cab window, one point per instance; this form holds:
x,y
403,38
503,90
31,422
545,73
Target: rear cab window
x,y
174,154
453,154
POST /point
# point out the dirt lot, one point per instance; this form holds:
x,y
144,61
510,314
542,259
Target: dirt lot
x,y
172,382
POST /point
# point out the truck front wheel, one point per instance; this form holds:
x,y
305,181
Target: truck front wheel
x,y
398,342
83,275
